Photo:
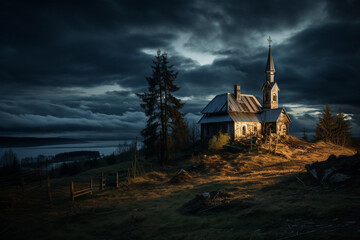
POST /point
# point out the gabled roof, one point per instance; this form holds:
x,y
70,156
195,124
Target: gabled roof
x,y
265,116
230,117
216,118
272,115
271,85
227,103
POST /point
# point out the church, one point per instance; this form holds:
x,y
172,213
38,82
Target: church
x,y
242,115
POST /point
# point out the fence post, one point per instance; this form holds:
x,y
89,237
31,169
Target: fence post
x,y
40,177
91,185
49,189
22,183
117,179
128,175
134,170
251,137
72,191
276,143
102,181
269,143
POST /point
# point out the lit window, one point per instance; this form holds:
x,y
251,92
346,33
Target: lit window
x,y
274,97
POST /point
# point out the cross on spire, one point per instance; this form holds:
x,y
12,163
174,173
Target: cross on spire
x,y
269,40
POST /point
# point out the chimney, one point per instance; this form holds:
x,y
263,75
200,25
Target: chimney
x,y
237,92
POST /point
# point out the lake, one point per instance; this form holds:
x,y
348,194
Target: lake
x,y
105,147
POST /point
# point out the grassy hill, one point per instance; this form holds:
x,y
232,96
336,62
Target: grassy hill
x,y
263,196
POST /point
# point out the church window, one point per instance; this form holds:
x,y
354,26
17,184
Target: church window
x,y
244,130
274,97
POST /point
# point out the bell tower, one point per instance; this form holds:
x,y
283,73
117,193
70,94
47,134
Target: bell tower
x,y
270,89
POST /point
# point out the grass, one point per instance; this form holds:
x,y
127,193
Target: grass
x,y
268,202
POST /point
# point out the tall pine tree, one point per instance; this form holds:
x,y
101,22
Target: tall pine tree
x,y
334,129
150,103
342,131
165,129
326,126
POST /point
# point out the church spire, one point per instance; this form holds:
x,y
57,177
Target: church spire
x,y
270,69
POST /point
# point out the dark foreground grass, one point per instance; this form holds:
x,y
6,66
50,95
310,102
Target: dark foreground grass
x,y
268,202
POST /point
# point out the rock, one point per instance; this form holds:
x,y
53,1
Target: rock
x,y
336,169
205,195
207,201
181,176
196,168
338,177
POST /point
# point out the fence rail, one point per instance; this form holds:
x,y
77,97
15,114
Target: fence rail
x,y
28,185
74,194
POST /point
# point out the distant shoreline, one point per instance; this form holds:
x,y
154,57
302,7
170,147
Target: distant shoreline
x,y
13,142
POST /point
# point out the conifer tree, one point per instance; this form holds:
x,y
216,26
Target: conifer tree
x,y
326,126
150,104
165,128
334,129
342,134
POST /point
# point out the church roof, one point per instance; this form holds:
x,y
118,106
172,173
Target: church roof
x,y
272,115
270,63
227,103
231,117
265,116
270,85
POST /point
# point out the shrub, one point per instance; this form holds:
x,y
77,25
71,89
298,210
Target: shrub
x,y
218,141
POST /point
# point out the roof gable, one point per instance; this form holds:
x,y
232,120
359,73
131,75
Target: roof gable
x,y
273,115
270,85
227,103
217,104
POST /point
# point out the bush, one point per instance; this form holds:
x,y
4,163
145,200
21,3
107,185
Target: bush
x,y
218,141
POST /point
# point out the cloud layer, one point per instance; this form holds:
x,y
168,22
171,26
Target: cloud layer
x,y
72,69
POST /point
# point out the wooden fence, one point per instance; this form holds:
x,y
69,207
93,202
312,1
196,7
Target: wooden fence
x,y
102,181
32,187
74,194
24,179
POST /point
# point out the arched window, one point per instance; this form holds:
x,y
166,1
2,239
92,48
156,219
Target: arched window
x,y
255,130
274,97
244,130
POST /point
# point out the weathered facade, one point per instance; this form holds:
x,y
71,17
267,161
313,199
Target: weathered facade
x,y
242,115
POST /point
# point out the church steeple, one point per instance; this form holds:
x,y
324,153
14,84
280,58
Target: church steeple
x,y
270,69
270,89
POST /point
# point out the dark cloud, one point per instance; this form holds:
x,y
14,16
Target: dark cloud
x,y
72,67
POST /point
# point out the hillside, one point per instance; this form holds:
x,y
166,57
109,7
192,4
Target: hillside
x,y
254,195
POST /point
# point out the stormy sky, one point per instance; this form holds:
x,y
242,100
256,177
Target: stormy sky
x,y
72,68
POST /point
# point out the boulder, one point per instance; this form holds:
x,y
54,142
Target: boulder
x,y
196,168
180,176
206,201
336,169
